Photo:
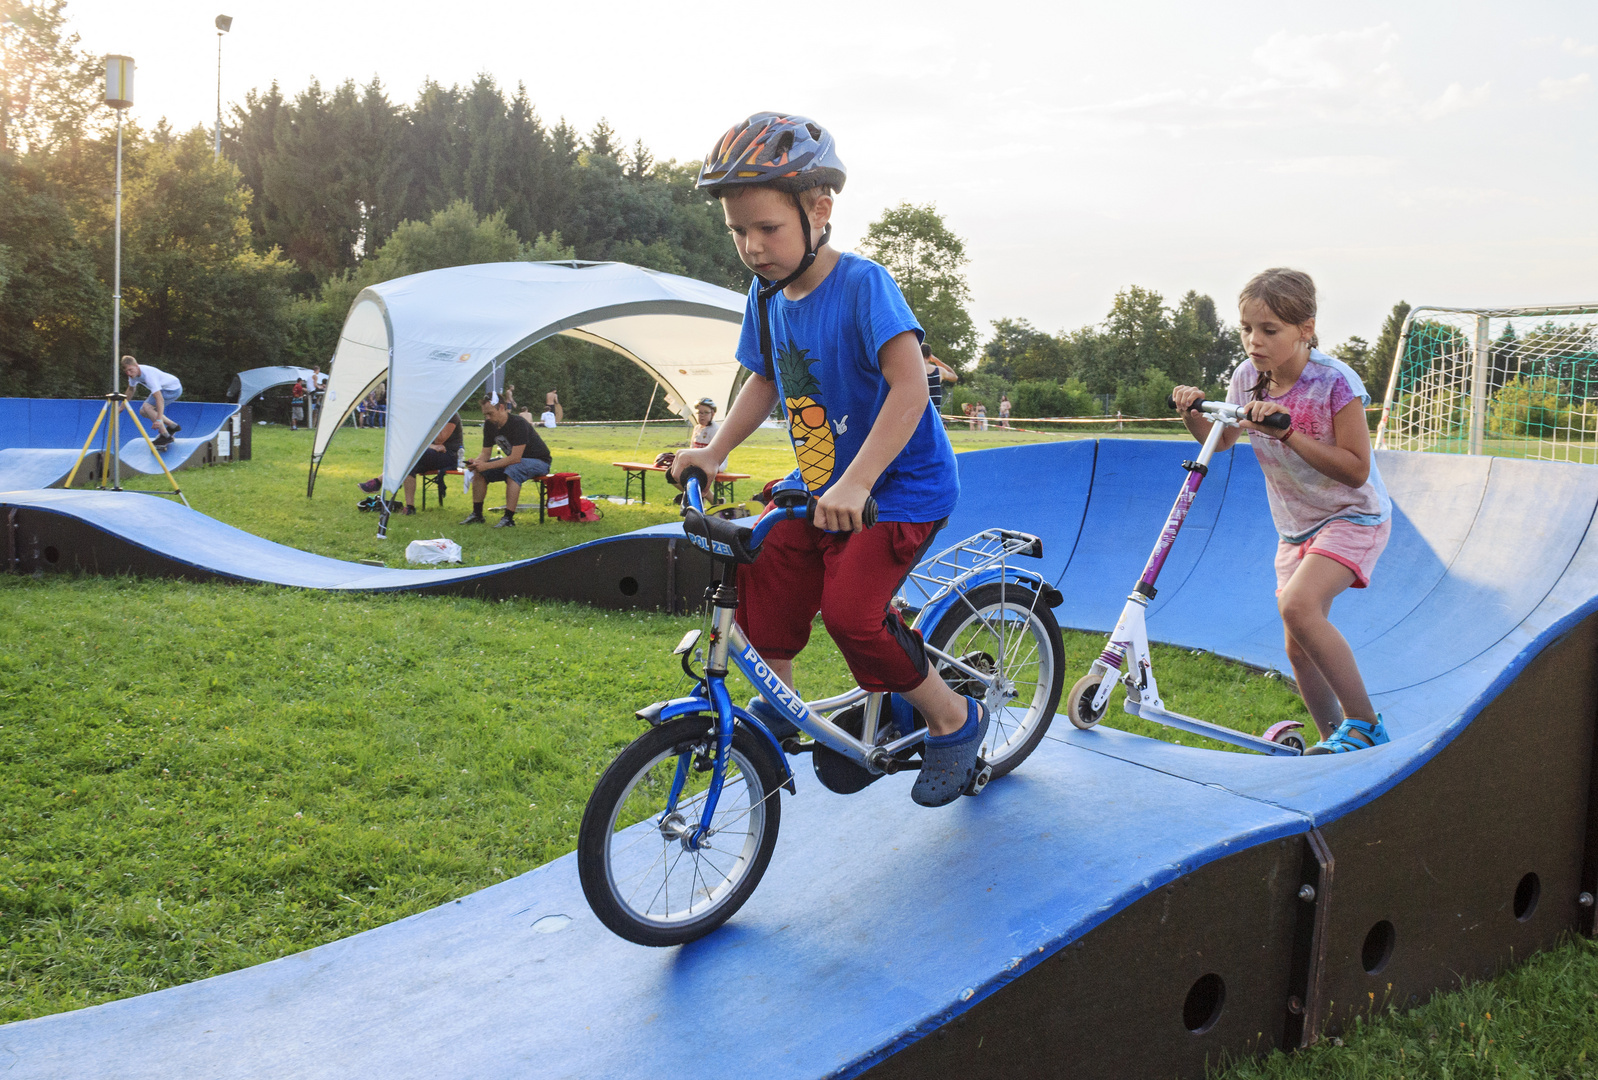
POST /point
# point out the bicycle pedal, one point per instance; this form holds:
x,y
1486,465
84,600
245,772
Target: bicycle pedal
x,y
980,780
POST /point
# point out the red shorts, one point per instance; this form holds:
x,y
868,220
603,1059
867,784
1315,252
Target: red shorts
x,y
849,578
1355,546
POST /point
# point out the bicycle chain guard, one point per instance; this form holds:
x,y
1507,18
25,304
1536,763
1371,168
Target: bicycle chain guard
x,y
843,775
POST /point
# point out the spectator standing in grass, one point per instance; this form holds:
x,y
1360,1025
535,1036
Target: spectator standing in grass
x,y
164,390
938,373
297,404
982,417
509,397
526,458
318,390
552,404
444,453
1004,411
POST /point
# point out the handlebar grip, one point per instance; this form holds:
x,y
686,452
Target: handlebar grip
x,y
868,513
1170,402
1281,421
694,472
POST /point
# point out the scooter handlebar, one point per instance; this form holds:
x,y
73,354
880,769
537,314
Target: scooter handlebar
x,y
1279,421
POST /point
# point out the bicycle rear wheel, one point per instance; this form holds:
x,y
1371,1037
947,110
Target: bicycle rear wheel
x,y
641,876
1008,633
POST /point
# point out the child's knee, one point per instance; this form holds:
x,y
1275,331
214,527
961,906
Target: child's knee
x,y
1297,610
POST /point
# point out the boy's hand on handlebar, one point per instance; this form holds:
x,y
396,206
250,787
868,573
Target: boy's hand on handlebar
x,y
1185,397
842,509
685,458
1256,411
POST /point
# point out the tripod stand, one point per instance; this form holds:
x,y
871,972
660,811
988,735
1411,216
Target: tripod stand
x,y
115,405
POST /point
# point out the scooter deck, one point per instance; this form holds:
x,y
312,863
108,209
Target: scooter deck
x,y
1209,730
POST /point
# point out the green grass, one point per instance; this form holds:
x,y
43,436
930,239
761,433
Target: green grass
x,y
198,778
1539,1020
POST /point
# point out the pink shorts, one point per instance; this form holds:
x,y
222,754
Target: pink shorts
x,y
1355,546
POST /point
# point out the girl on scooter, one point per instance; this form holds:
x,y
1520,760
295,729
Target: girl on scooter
x,y
1327,499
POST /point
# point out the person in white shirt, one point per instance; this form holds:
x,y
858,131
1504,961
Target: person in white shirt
x,y
705,428
164,390
548,419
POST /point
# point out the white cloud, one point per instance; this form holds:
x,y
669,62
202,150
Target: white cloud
x,y
1454,99
1576,48
1336,166
1560,89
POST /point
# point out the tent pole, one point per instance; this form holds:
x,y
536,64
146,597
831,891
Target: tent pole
x,y
647,410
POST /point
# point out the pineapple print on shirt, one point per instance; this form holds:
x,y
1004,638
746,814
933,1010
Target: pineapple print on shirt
x,y
807,418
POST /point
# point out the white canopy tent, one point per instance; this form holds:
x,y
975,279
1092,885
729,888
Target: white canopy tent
x,y
248,385
439,335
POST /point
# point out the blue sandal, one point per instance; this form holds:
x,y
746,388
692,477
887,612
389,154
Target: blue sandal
x,y
948,762
1352,735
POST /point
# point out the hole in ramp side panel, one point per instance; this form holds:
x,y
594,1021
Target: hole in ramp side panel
x,y
1442,855
1527,893
1158,989
1204,1003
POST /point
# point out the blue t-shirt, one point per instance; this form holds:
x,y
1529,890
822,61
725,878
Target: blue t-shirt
x,y
824,352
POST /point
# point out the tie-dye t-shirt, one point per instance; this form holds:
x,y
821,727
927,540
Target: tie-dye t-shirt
x,y
1302,498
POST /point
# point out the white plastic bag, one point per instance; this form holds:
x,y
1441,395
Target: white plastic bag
x,y
433,552
466,482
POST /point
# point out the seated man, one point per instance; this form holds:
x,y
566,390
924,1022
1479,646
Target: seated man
x,y
164,390
444,453
526,458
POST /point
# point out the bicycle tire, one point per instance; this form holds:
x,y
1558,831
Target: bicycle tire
x,y
1029,662
632,864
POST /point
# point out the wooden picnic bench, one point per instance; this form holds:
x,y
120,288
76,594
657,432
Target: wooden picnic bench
x,y
723,490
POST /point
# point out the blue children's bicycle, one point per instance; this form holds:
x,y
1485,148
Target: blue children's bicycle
x,y
682,824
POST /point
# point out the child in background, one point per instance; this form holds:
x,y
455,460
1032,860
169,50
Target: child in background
x,y
706,428
829,335
1326,497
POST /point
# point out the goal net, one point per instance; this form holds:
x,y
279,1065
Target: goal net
x,y
1516,382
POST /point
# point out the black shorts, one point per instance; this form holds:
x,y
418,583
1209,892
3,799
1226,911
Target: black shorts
x,y
433,460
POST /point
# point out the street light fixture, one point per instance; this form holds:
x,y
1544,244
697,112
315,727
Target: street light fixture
x,y
224,23
118,95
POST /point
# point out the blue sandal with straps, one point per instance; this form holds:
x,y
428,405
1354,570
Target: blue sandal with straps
x,y
1352,735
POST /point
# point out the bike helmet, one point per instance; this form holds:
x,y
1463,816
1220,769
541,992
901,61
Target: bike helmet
x,y
789,153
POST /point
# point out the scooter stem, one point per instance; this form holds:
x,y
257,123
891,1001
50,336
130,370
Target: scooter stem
x,y
1196,471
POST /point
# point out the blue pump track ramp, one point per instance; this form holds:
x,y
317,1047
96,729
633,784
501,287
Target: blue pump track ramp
x,y
40,439
1062,924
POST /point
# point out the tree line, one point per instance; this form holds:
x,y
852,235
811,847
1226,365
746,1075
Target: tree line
x,y
254,258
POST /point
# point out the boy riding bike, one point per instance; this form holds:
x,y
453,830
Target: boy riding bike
x,y
830,335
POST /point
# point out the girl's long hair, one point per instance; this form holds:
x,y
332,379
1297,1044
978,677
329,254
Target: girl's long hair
x,y
1290,295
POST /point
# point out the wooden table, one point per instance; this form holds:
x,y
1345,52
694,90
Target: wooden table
x,y
721,491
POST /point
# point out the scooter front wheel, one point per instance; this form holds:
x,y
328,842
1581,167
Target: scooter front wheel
x,y
646,874
1079,702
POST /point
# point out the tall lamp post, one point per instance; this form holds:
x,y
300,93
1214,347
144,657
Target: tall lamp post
x,y
118,95
224,23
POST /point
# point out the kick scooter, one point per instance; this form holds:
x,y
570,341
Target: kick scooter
x,y
1090,697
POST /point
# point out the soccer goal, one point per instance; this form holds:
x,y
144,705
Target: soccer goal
x,y
1516,382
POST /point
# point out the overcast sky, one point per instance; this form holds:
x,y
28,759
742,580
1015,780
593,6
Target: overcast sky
x,y
1438,153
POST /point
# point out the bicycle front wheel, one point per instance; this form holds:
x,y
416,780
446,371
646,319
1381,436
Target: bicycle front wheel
x,y
642,874
1008,633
